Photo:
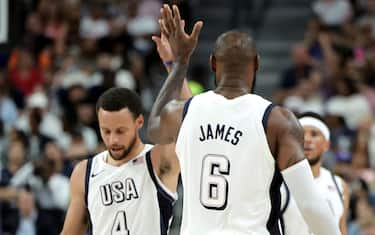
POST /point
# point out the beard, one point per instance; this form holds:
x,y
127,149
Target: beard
x,y
125,152
314,161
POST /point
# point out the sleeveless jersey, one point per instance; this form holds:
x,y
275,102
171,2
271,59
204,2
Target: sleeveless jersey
x,y
231,185
331,189
128,199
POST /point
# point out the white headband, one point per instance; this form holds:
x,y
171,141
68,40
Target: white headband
x,y
314,122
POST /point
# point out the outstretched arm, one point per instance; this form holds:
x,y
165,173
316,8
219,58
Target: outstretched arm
x,y
297,173
165,117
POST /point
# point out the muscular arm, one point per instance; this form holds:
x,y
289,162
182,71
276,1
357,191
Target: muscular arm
x,y
75,221
288,150
346,206
166,165
165,117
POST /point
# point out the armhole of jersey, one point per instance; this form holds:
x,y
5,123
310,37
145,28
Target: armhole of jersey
x,y
186,108
337,188
87,179
172,197
266,116
287,199
166,199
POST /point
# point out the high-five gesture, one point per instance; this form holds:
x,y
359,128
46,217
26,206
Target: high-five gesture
x,y
182,44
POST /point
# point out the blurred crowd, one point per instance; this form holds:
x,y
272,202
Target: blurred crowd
x,y
73,50
70,52
333,74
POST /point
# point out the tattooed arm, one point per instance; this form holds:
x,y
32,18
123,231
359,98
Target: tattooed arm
x,y
289,155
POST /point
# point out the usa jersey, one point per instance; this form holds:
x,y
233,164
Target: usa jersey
x,y
231,185
330,187
128,199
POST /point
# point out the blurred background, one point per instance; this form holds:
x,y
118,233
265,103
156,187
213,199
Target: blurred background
x,y
57,57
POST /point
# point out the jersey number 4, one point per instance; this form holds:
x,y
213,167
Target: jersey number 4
x,y
120,226
214,185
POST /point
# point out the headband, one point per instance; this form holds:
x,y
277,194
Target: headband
x,y
314,122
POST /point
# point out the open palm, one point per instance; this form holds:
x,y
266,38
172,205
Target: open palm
x,y
182,44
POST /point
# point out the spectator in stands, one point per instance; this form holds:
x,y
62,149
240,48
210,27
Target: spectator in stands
x,y
298,71
24,75
332,13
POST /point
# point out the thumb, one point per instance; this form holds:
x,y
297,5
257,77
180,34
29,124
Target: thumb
x,y
196,30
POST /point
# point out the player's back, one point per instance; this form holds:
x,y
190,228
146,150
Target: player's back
x,y
228,172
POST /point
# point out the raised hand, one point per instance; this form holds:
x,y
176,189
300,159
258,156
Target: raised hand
x,y
163,47
182,44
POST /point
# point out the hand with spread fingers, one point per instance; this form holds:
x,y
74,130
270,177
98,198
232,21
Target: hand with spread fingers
x,y
182,44
164,49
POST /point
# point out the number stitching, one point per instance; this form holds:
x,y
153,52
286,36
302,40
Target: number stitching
x,y
214,187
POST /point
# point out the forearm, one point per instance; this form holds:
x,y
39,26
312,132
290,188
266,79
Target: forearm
x,y
185,92
312,206
172,89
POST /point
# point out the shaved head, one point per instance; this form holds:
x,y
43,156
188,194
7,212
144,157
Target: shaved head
x,y
234,57
234,49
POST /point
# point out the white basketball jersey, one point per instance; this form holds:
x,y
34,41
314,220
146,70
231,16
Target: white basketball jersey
x,y
292,217
128,199
228,172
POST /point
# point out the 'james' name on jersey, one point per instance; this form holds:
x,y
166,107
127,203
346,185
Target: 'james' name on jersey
x,y
220,132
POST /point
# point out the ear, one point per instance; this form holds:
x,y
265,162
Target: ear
x,y
139,121
213,63
256,62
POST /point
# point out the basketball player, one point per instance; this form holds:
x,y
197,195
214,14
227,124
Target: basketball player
x,y
332,187
220,132
130,188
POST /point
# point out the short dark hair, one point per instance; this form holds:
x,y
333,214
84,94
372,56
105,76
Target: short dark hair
x,y
115,99
234,45
313,115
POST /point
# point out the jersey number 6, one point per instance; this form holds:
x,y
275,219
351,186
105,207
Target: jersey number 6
x,y
214,185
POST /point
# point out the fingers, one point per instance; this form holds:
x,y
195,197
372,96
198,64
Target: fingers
x,y
163,28
167,18
196,30
177,18
183,24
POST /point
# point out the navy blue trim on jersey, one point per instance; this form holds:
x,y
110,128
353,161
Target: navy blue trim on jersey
x,y
89,228
287,199
87,179
337,188
164,199
282,224
275,197
186,107
266,115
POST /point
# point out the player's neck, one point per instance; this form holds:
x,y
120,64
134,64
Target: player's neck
x,y
136,150
316,170
231,87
